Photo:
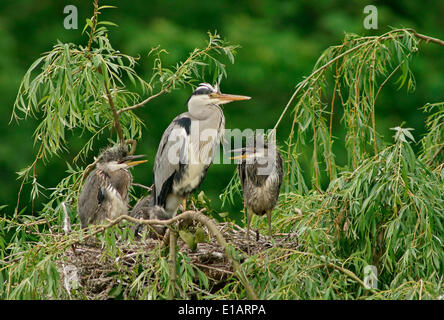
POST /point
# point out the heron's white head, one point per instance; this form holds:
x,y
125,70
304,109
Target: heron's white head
x,y
205,97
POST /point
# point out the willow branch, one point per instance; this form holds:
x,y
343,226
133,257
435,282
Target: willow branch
x,y
115,114
133,144
426,38
33,165
304,83
141,104
175,76
346,272
94,23
381,38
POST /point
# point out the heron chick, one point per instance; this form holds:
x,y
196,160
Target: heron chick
x,y
188,146
105,192
145,209
260,172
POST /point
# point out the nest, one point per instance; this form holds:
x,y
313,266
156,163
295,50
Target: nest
x,y
86,265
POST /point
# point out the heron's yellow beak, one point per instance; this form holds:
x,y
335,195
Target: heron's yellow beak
x,y
135,163
228,97
247,152
241,156
128,160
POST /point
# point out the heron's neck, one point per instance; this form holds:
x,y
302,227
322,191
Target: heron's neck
x,y
201,111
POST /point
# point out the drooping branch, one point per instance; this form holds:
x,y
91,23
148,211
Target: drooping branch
x,y
177,75
384,37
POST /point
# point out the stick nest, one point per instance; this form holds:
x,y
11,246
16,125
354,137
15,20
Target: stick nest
x,y
89,268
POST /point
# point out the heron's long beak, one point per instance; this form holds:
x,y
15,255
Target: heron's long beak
x,y
241,156
135,163
246,152
128,160
228,97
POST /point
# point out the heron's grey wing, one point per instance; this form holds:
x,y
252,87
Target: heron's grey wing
x,y
89,199
280,167
121,181
171,155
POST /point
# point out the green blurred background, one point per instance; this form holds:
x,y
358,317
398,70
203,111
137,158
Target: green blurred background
x,y
280,42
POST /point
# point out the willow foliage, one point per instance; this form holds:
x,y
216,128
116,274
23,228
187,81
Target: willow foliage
x,y
86,88
384,208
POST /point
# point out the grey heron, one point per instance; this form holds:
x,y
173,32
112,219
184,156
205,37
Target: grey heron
x,y
188,147
260,172
145,209
105,192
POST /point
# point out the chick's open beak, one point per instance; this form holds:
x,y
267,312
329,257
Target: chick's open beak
x,y
246,153
128,160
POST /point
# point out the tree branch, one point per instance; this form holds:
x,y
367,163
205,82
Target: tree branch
x,y
427,38
384,37
175,76
115,114
94,23
141,104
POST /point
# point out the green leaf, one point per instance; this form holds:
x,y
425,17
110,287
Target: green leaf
x,y
189,239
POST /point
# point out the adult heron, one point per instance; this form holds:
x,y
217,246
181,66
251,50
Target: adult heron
x,y
105,192
188,146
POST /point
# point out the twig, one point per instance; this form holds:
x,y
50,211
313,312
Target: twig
x,y
172,262
142,186
304,83
213,268
437,152
94,23
346,272
39,156
141,104
115,114
133,144
427,38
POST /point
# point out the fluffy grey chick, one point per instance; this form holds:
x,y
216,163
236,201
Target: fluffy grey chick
x,y
105,192
145,209
260,172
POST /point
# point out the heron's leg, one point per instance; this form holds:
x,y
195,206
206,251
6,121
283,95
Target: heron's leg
x,y
269,223
269,227
249,216
184,204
